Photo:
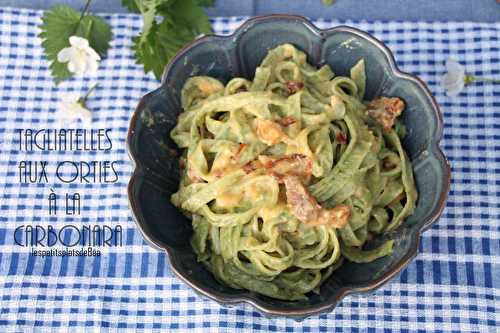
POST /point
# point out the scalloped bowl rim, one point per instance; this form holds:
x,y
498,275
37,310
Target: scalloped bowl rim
x,y
249,298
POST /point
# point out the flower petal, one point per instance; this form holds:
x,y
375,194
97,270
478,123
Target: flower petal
x,y
80,56
453,88
79,64
67,111
84,113
453,80
453,66
454,91
65,54
79,42
71,109
449,80
92,66
70,97
92,53
63,118
71,67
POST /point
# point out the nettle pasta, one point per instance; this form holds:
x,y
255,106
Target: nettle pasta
x,y
287,175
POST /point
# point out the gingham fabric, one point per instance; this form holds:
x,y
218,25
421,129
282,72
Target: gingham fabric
x,y
452,285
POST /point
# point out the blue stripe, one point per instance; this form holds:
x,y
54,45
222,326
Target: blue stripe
x,y
98,292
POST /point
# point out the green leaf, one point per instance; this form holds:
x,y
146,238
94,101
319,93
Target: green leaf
x,y
328,2
187,13
206,3
149,10
160,45
183,20
97,31
62,22
131,5
58,25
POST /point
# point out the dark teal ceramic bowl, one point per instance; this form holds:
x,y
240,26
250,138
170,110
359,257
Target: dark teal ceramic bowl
x,y
156,172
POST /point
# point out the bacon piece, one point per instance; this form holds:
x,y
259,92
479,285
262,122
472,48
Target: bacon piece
x,y
252,166
294,86
300,202
193,176
385,110
387,164
341,138
287,121
303,205
289,165
241,148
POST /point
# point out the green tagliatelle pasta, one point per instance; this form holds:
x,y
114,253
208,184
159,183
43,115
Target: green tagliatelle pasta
x,y
287,175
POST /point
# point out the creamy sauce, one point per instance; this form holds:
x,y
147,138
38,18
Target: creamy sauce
x,y
223,163
230,198
208,87
271,211
337,217
269,131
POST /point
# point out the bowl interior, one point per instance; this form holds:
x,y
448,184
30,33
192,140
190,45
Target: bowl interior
x,y
238,55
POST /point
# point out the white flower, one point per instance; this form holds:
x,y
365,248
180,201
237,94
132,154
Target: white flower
x,y
454,80
71,108
81,58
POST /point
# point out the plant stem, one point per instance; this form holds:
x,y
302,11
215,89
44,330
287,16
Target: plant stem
x,y
82,15
83,100
470,79
487,79
85,9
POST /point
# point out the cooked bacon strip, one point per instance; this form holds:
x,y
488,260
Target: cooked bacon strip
x,y
236,157
294,86
290,165
385,110
387,164
300,202
252,166
341,138
193,176
303,205
279,167
287,121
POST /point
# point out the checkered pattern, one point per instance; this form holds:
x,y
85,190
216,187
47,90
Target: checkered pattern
x,y
452,286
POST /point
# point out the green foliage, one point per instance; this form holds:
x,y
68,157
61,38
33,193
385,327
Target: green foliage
x,y
168,26
62,22
328,2
131,5
206,3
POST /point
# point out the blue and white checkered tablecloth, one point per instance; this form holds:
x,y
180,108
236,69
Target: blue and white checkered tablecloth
x,y
452,286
